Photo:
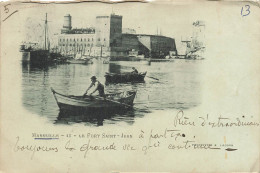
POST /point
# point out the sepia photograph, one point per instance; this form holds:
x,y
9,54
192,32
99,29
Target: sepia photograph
x,y
151,86
106,67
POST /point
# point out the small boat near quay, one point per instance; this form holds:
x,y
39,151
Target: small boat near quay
x,y
125,77
121,100
79,61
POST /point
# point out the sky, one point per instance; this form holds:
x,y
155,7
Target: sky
x,y
172,20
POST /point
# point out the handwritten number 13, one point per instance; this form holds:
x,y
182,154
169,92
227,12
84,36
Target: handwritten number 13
x,y
247,11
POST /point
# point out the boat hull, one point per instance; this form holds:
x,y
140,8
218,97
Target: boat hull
x,y
89,103
40,57
124,77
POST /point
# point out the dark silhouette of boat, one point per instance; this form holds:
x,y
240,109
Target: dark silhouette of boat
x,y
125,77
123,100
39,56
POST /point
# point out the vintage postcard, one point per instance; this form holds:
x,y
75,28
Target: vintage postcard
x,y
165,86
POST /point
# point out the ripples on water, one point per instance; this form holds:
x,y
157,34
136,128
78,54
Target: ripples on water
x,y
178,88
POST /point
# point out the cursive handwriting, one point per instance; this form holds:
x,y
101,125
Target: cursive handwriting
x,y
33,148
227,122
87,147
67,146
180,119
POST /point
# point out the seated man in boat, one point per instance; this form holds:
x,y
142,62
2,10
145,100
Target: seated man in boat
x,y
98,87
134,70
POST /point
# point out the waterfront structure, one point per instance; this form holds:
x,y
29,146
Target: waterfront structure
x,y
193,47
35,55
108,39
198,34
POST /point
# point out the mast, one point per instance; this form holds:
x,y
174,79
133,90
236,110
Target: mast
x,y
101,51
45,33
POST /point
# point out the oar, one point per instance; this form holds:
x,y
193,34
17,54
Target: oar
x,y
152,77
108,100
115,101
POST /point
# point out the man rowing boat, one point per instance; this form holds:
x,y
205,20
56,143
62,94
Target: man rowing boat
x,y
98,87
134,70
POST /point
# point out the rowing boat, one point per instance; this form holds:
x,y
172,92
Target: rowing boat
x,y
110,101
124,77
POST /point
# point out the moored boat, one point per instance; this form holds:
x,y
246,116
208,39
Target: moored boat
x,y
79,61
110,101
125,77
35,54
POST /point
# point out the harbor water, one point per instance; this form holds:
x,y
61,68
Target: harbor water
x,y
178,87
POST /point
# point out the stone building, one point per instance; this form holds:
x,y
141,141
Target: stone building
x,y
107,39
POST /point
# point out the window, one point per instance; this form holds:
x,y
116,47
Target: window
x,y
81,39
88,45
92,39
104,39
98,39
84,39
88,39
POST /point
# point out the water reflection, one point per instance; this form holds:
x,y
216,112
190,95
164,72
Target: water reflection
x,y
178,88
96,116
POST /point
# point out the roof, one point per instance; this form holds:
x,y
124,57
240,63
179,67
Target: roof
x,y
147,35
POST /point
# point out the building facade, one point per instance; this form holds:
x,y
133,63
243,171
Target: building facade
x,y
107,39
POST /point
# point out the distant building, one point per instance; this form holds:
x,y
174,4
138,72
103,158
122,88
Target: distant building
x,y
108,39
128,31
198,35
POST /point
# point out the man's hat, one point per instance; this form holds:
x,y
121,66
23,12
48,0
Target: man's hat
x,y
93,78
133,67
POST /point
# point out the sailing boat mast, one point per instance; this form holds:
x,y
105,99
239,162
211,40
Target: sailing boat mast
x,y
45,33
101,51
